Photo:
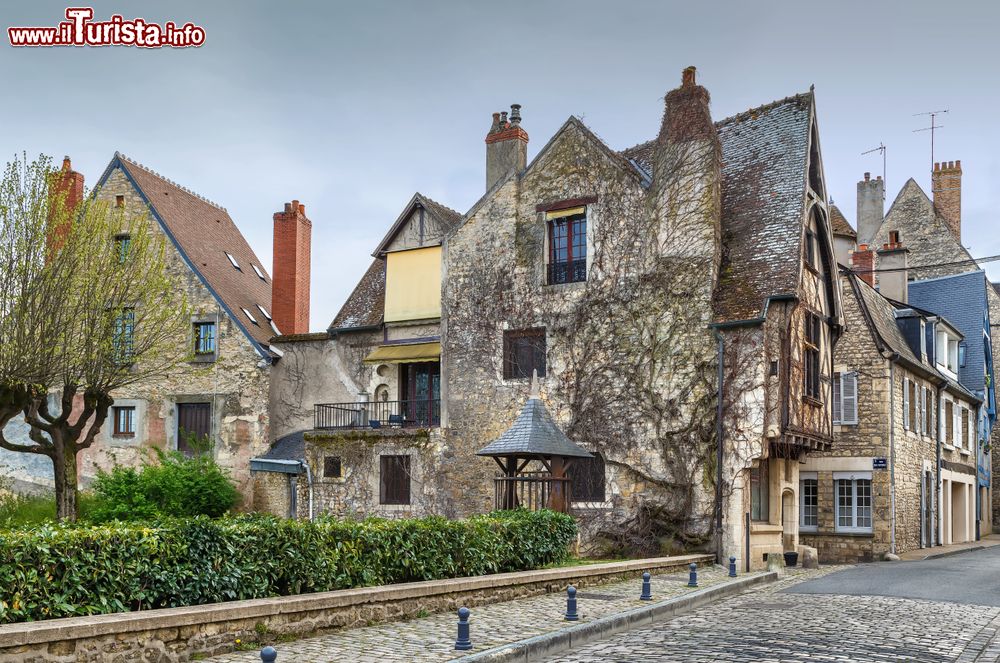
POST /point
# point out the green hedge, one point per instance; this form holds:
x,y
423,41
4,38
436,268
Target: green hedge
x,y
65,570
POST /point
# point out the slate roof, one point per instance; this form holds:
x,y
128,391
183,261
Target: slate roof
x,y
366,304
534,434
839,224
203,232
289,447
764,159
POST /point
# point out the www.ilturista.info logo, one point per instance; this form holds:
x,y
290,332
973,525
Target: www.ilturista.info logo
x,y
80,30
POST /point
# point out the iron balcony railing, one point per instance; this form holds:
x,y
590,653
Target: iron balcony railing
x,y
531,491
378,414
567,272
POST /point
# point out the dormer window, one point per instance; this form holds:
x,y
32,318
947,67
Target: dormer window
x,y
257,270
893,237
946,352
249,316
235,264
567,230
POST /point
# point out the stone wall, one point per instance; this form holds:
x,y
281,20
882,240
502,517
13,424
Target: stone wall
x,y
193,633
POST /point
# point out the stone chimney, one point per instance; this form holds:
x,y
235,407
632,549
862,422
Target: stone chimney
x,y
893,256
506,146
686,191
66,187
290,277
863,264
946,186
871,207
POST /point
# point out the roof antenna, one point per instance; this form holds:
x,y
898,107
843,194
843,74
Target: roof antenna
x,y
931,128
534,384
881,148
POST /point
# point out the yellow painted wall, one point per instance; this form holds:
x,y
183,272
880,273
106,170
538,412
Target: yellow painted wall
x,y
413,284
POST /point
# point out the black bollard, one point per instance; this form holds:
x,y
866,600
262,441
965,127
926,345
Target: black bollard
x,y
732,567
462,642
571,615
268,655
647,588
693,575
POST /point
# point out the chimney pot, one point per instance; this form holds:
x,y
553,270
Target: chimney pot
x,y
288,207
302,210
958,164
506,146
868,176
515,114
946,187
688,77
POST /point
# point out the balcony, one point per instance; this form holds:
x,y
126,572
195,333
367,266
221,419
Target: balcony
x,y
567,272
424,413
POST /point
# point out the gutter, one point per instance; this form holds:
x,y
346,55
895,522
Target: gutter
x,y
753,322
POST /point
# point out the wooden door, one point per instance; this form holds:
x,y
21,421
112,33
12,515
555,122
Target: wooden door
x,y
193,419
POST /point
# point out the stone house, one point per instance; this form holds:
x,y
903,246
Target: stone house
x,y
222,391
899,409
625,280
930,229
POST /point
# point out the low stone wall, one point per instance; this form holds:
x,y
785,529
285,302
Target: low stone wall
x,y
189,633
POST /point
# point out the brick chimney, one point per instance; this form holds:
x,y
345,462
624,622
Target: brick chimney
x,y
946,186
893,256
506,146
66,186
871,207
291,273
686,192
863,264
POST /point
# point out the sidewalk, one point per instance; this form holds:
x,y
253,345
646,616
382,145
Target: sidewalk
x,y
987,541
432,638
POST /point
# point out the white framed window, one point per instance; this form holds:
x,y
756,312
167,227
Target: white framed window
x,y
264,311
808,502
845,398
853,501
232,261
259,273
249,315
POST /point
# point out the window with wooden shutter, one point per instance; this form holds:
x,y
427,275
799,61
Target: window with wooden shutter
x,y
523,353
906,404
965,429
849,398
837,415
394,480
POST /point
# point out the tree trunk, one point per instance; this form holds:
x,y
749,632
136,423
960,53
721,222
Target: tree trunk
x,y
64,473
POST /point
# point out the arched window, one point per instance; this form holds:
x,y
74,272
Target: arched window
x,y
587,476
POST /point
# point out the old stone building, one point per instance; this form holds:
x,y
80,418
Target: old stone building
x,y
221,392
930,230
898,409
624,279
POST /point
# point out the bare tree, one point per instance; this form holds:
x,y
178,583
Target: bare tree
x,y
88,307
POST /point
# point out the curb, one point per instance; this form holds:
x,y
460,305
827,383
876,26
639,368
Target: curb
x,y
547,644
952,553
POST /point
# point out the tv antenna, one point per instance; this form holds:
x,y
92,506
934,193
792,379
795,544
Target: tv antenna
x,y
881,148
931,128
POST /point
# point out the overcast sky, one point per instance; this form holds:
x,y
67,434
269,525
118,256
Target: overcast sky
x,y
351,107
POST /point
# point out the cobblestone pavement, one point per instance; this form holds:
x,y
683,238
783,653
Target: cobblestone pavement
x,y
776,626
433,638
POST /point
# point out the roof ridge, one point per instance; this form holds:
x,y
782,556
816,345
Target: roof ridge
x,y
765,107
170,181
439,204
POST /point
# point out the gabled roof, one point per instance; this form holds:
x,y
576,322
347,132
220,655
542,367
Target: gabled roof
x,y
764,176
365,306
446,216
534,434
839,224
203,233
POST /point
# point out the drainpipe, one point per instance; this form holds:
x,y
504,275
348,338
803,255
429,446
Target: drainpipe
x,y
309,479
718,443
892,455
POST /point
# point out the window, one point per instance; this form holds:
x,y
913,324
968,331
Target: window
x,y
962,348
759,498
928,412
808,502
923,340
331,467
810,248
258,272
124,417
587,479
811,356
122,341
949,423
119,201
394,480
264,312
567,246
906,403
853,502
921,424
965,442
893,237
232,260
845,398
204,338
123,243
911,401
523,353
249,316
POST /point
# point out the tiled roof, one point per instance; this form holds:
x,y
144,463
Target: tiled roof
x,y
764,158
534,434
366,304
839,224
204,233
